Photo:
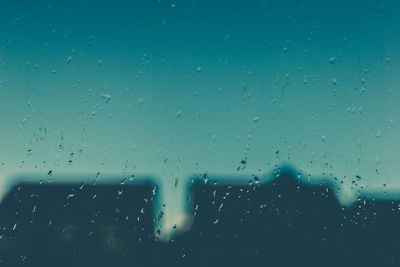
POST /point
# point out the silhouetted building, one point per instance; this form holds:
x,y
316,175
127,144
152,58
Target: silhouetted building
x,y
284,223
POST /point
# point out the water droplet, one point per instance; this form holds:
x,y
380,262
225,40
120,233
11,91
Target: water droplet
x,y
160,215
220,207
93,114
107,97
205,177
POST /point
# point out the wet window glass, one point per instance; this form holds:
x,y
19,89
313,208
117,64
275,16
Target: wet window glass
x,y
199,133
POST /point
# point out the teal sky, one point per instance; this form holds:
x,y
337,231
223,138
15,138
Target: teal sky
x,y
175,89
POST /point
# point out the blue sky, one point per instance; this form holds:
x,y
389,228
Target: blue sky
x,y
180,88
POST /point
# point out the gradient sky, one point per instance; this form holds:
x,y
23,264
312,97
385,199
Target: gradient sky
x,y
180,88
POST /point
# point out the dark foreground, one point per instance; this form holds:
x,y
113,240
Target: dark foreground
x,y
281,224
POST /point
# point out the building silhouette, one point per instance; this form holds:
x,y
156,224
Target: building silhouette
x,y
283,223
